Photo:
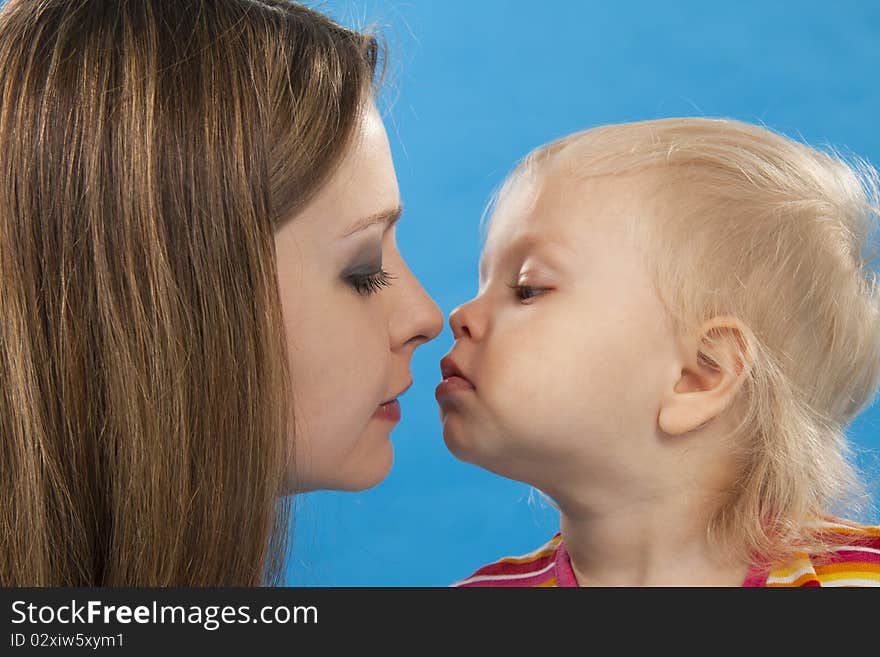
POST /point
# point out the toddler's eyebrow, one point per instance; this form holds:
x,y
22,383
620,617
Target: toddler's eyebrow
x,y
529,242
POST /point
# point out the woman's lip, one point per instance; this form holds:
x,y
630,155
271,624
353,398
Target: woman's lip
x,y
451,386
389,411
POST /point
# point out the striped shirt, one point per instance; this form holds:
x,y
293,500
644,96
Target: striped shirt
x,y
856,563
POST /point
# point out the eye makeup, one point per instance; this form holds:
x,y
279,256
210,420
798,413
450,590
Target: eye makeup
x,y
366,275
371,283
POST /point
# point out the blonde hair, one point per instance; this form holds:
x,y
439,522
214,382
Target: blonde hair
x,y
776,234
149,151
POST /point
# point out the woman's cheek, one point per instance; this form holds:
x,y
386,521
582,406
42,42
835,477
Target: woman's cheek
x,y
366,355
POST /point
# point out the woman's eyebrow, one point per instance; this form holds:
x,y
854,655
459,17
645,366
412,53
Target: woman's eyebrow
x,y
388,217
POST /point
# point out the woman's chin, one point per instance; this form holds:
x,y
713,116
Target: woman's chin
x,y
363,480
350,477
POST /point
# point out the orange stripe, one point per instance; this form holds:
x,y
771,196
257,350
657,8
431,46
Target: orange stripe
x,y
539,555
548,582
833,577
850,567
846,576
863,530
522,560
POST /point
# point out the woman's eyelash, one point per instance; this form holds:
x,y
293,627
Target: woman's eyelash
x,y
526,292
369,284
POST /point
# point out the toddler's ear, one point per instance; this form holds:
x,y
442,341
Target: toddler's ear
x,y
717,362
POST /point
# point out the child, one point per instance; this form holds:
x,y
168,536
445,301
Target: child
x,y
676,322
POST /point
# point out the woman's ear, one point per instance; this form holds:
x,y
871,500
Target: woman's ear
x,y
718,360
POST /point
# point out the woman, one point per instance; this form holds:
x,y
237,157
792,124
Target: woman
x,y
202,306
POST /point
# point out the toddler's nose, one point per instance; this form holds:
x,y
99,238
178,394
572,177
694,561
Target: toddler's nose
x,y
465,321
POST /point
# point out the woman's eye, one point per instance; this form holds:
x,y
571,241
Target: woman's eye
x,y
527,292
368,284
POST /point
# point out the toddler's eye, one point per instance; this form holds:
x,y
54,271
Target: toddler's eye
x,y
527,292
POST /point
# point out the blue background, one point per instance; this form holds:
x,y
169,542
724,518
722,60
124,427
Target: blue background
x,y
472,87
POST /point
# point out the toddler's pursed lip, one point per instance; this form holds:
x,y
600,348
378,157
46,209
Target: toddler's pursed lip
x,y
449,369
450,386
454,380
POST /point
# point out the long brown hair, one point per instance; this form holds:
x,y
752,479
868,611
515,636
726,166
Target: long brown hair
x,y
149,150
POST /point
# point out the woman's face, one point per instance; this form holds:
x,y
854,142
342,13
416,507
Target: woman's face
x,y
354,314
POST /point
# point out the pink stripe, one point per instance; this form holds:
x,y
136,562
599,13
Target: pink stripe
x,y
860,556
756,577
524,581
565,576
502,568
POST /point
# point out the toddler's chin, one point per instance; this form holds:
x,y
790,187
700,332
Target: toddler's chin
x,y
456,436
469,446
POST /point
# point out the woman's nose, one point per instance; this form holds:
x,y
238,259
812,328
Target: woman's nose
x,y
418,317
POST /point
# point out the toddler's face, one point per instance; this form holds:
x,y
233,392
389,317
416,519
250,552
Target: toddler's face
x,y
566,345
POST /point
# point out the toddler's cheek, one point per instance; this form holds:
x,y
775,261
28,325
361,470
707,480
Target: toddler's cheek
x,y
575,391
526,393
519,375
